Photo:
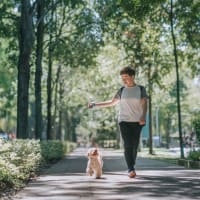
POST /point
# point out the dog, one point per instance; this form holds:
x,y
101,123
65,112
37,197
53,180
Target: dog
x,y
95,163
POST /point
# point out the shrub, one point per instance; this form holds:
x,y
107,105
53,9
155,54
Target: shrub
x,y
21,159
52,150
194,155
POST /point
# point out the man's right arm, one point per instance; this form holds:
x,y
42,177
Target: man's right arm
x,y
115,100
104,104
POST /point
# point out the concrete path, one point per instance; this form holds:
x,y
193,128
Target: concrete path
x,y
66,180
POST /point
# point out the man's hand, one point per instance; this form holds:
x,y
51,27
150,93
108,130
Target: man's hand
x,y
91,105
142,122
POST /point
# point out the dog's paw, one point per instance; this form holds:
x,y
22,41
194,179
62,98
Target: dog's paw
x,y
98,174
89,172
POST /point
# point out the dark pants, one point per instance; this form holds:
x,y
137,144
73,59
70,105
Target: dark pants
x,y
130,132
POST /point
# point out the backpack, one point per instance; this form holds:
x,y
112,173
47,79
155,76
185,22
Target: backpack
x,y
140,86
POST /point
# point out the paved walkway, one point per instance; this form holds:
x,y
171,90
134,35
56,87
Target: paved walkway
x,y
66,180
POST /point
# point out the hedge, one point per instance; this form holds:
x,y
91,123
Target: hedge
x,y
21,159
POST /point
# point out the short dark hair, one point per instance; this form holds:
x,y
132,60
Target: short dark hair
x,y
128,70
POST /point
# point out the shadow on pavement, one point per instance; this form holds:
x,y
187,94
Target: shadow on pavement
x,y
155,179
111,186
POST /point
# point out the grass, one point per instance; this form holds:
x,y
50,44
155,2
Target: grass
x,y
167,155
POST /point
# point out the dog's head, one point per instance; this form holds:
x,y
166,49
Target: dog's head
x,y
93,152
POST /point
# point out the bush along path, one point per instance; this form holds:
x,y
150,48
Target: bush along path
x,y
22,160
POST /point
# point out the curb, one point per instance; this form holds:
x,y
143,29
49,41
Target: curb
x,y
189,163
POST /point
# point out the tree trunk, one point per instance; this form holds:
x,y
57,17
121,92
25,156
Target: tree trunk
x,y
150,127
38,72
49,93
49,80
168,122
177,81
150,112
26,39
67,125
59,133
56,99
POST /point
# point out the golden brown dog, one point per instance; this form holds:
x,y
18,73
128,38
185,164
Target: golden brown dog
x,y
95,163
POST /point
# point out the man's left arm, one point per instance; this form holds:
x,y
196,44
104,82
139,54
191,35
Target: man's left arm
x,y
144,111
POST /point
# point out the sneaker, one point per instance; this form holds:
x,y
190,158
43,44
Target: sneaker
x,y
132,174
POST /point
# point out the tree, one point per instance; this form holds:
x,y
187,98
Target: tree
x,y
26,39
72,42
140,29
8,61
49,79
38,72
138,33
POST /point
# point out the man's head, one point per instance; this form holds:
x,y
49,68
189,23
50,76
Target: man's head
x,y
128,70
128,76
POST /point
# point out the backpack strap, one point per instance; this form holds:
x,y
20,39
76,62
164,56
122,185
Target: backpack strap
x,y
140,86
141,89
121,89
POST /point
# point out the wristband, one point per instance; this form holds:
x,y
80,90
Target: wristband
x,y
91,105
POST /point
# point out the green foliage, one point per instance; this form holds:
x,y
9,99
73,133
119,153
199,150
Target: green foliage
x,y
21,159
139,9
188,13
8,19
98,83
139,29
52,150
8,61
194,155
196,125
183,88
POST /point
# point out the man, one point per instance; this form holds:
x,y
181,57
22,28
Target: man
x,y
132,100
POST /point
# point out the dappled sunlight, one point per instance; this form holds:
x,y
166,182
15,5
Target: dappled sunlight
x,y
155,179
116,185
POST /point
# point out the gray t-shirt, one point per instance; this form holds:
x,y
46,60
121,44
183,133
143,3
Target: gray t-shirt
x,y
130,107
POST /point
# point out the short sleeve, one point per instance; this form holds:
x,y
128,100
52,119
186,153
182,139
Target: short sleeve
x,y
118,94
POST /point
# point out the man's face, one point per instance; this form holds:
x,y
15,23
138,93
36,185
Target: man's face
x,y
127,80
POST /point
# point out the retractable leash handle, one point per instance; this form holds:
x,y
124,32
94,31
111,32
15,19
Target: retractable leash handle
x,y
91,103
